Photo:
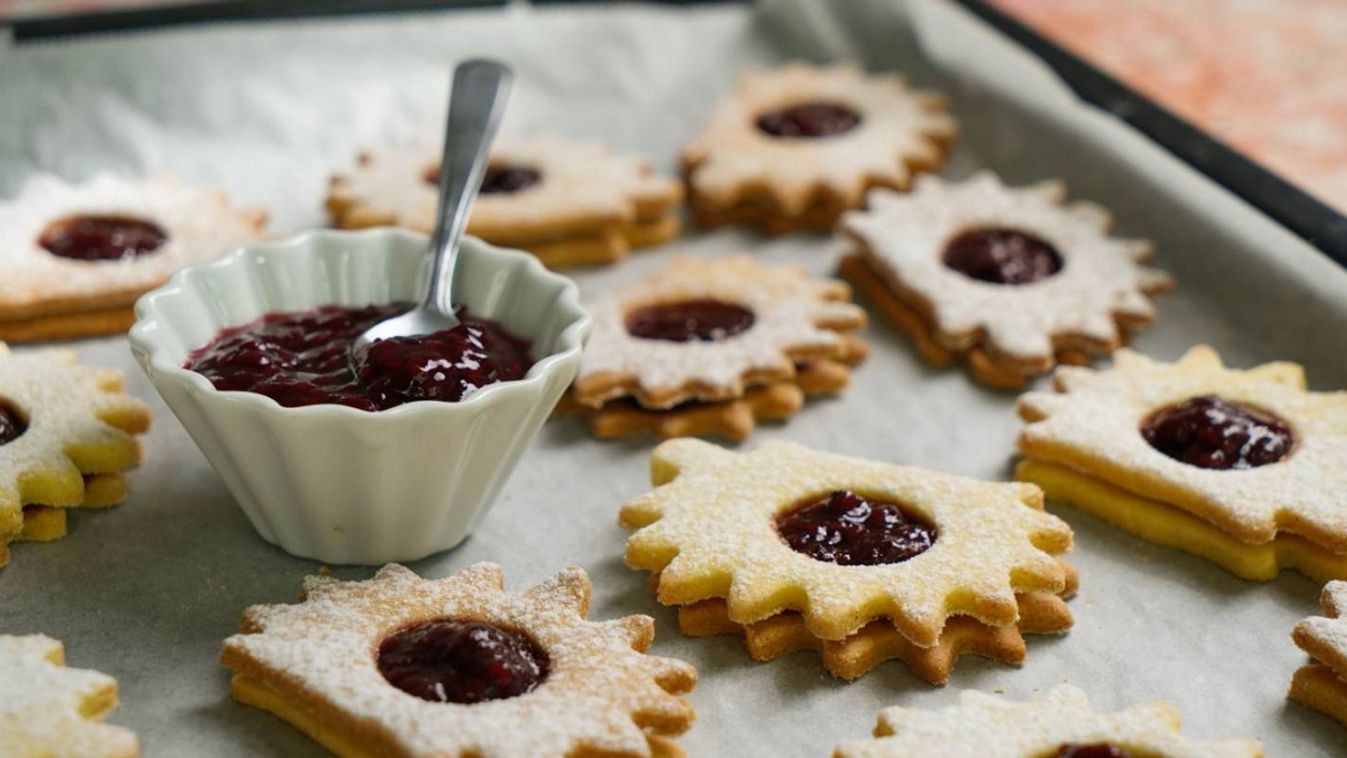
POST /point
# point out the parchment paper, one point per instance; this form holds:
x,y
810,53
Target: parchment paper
x,y
147,591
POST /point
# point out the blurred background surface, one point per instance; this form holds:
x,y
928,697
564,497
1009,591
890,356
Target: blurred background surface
x,y
1269,77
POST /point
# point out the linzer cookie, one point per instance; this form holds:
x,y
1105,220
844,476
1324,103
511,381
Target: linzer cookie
x,y
861,560
1009,281
459,668
1059,725
74,258
1322,683
710,347
1243,467
570,203
47,709
66,434
794,147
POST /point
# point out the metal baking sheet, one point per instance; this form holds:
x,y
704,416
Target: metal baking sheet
x,y
147,591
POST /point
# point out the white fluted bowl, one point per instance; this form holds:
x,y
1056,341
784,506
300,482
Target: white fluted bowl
x,y
334,483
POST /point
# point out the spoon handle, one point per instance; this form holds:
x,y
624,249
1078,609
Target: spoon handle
x,y
476,104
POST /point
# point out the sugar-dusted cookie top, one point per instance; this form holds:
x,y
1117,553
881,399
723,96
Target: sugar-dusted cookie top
x,y
361,661
535,189
989,727
52,711
67,247
746,527
795,130
59,420
1278,462
705,329
1013,269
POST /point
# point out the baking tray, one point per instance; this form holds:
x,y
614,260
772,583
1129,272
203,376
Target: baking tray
x,y
146,592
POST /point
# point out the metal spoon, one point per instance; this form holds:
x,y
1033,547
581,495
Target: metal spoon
x,y
476,104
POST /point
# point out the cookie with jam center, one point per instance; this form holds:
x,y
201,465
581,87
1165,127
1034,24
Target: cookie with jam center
x,y
75,257
1246,468
795,146
1010,281
459,667
571,203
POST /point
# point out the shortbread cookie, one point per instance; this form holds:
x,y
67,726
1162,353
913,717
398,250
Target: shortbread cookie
x,y
52,711
1011,280
879,641
60,422
795,146
781,528
732,420
44,523
75,257
1250,454
1060,724
1322,683
570,203
459,668
708,329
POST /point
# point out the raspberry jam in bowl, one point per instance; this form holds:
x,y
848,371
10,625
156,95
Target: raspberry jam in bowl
x,y
390,455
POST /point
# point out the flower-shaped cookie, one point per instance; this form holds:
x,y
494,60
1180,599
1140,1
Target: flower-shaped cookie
x,y
1252,453
716,525
797,145
47,709
458,667
1010,277
706,329
570,203
990,727
60,421
1322,683
75,257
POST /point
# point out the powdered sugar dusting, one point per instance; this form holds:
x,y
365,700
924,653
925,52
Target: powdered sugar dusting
x,y
1100,282
793,312
1092,425
710,532
47,709
899,127
599,679
200,225
991,727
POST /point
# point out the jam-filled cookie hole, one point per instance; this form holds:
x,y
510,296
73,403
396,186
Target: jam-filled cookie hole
x,y
1211,432
12,423
101,237
699,320
1092,750
1001,255
499,179
852,530
809,120
452,661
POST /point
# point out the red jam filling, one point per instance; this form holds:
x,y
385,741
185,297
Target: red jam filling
x,y
304,358
1002,256
101,237
12,425
498,180
809,120
447,661
1211,432
703,320
1092,750
849,530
